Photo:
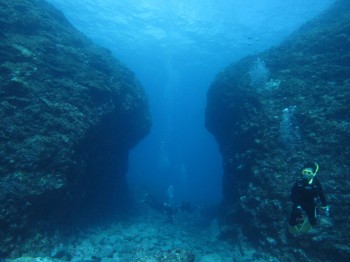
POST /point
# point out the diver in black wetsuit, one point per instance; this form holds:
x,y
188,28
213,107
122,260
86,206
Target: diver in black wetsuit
x,y
304,194
164,207
169,209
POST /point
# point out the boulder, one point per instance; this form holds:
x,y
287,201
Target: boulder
x,y
70,113
270,114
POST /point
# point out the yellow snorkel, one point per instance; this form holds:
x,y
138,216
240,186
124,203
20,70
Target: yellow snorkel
x,y
314,174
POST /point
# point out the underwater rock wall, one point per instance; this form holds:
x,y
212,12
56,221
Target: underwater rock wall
x,y
70,113
275,111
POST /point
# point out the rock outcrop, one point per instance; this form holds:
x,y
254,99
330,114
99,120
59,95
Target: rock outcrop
x,y
70,113
273,112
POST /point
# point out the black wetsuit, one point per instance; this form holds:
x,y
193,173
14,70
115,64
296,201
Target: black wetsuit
x,y
163,207
304,196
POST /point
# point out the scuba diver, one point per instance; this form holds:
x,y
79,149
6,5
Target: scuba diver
x,y
168,207
164,207
305,191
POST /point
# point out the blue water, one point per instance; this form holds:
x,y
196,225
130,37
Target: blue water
x,y
175,48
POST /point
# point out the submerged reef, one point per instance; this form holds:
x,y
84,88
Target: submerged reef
x,y
70,113
269,124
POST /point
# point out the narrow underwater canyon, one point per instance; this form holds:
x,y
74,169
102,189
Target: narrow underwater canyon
x,y
71,113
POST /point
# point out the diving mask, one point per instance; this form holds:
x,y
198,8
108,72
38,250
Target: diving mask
x,y
309,174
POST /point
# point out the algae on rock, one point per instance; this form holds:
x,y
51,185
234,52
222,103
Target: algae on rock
x,y
70,112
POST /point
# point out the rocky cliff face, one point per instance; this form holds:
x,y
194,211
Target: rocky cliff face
x,y
70,113
273,112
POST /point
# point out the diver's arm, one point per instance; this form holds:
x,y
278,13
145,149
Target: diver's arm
x,y
294,196
321,193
